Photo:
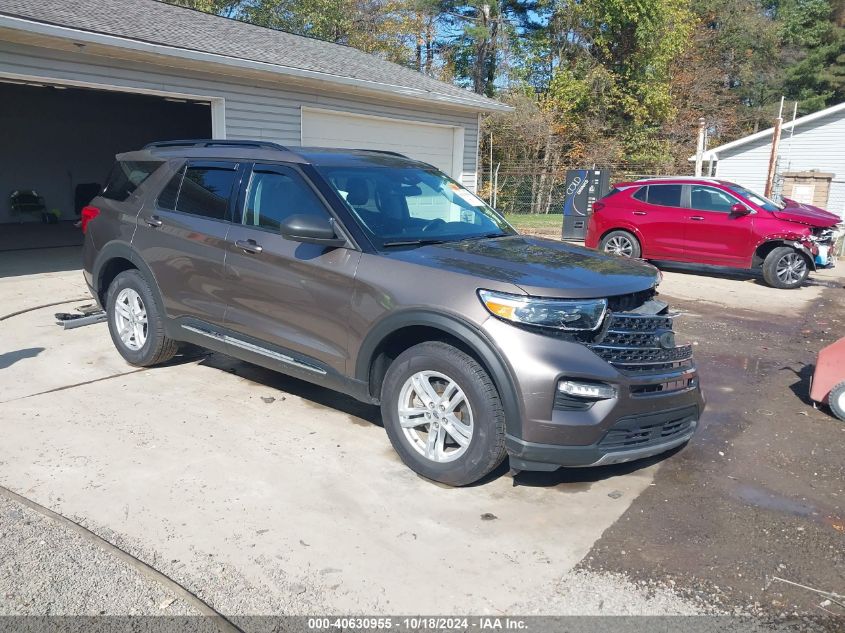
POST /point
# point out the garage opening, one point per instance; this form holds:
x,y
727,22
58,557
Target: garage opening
x,y
59,144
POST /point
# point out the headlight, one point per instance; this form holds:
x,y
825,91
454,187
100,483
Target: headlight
x,y
560,314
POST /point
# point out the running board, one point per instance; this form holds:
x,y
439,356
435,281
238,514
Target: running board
x,y
256,349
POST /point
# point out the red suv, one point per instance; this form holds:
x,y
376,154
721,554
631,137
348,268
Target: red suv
x,y
714,222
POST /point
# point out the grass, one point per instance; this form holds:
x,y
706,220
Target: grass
x,y
537,222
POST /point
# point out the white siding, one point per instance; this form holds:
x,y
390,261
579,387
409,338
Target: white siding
x,y
818,145
254,109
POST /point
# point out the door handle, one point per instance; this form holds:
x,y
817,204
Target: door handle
x,y
154,221
640,213
697,217
249,246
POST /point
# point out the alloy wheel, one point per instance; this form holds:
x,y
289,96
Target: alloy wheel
x,y
619,245
791,268
435,416
130,319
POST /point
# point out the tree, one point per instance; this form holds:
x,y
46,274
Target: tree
x,y
480,33
226,8
813,34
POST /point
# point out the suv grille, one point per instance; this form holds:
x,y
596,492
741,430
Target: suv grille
x,y
637,343
657,428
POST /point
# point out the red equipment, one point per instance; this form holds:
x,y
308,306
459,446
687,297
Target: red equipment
x,y
828,383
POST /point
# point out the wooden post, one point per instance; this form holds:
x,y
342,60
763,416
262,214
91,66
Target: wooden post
x,y
773,158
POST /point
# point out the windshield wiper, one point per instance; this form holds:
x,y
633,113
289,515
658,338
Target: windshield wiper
x,y
412,242
486,236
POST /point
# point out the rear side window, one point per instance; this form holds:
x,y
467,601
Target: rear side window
x,y
201,189
642,194
206,191
665,195
126,176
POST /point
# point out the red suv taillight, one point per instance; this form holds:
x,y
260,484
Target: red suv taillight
x,y
598,206
88,214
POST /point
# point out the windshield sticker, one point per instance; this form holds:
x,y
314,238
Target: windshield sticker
x,y
466,196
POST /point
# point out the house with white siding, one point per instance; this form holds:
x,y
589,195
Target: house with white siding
x,y
811,160
82,80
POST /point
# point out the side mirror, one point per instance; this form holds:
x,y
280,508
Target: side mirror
x,y
311,229
740,209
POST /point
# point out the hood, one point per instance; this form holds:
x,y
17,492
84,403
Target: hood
x,y
540,267
806,214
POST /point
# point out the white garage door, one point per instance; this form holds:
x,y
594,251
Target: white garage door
x,y
433,144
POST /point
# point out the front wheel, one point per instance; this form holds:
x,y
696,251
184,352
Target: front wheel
x,y
443,414
620,243
785,268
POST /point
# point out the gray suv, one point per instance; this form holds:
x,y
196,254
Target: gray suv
x,y
379,277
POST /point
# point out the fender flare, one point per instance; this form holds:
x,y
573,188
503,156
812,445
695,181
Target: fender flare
x,y
798,242
124,250
467,333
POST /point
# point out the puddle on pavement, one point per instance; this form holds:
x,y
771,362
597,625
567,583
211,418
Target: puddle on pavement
x,y
771,501
774,502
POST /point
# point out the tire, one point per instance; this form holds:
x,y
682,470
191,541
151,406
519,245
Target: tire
x,y
836,400
147,344
785,268
621,243
443,366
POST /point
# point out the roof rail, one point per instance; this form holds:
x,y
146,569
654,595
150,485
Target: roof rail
x,y
381,151
705,178
205,142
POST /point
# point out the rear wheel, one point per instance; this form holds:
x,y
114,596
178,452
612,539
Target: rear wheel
x,y
785,268
620,243
443,414
135,323
837,401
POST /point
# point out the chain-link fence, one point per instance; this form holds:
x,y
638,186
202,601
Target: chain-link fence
x,y
524,188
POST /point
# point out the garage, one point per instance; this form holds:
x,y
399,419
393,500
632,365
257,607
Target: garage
x,y
430,143
60,142
80,83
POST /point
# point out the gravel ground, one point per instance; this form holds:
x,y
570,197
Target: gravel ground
x,y
759,492
47,569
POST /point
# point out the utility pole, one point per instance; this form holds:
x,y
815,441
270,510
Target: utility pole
x,y
699,150
773,159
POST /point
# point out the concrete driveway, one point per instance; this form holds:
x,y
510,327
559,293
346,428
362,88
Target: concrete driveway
x,y
262,494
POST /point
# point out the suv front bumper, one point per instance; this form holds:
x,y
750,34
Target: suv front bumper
x,y
652,412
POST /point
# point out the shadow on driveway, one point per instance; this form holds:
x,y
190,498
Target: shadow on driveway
x,y
566,479
10,358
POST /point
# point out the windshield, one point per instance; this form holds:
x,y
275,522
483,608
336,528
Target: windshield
x,y
406,206
759,200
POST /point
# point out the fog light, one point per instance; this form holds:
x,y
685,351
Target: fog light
x,y
597,391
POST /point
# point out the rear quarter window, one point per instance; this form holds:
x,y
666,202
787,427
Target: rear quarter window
x,y
126,176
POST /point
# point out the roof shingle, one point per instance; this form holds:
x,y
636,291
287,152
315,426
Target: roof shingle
x,y
164,24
